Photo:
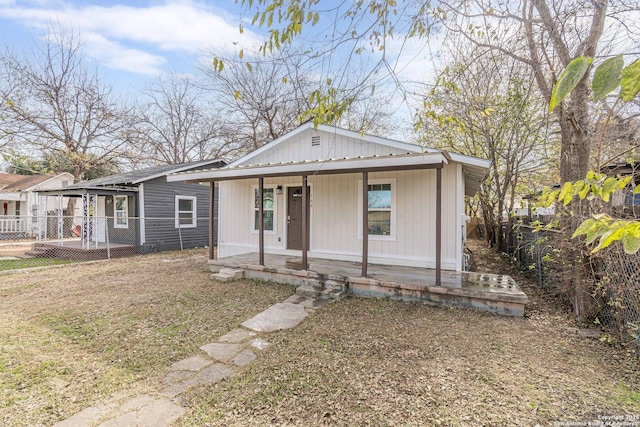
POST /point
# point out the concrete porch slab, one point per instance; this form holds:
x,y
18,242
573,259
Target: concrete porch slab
x,y
495,293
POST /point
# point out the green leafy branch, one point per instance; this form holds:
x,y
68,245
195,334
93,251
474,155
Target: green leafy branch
x,y
607,77
600,226
609,230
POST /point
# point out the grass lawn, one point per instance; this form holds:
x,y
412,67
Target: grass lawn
x,y
12,264
77,335
80,334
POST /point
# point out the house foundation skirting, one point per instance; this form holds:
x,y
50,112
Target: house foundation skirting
x,y
486,292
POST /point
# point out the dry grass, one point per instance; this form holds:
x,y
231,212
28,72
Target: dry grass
x,y
370,362
75,335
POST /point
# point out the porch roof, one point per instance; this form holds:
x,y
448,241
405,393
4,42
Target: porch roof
x,y
474,173
80,191
389,162
11,195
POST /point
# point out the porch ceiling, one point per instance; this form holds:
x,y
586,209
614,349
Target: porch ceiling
x,y
410,161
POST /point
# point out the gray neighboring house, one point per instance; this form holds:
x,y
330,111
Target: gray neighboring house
x,y
140,208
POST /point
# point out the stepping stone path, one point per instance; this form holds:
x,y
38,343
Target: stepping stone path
x,y
219,360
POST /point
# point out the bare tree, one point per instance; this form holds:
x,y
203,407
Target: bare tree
x,y
485,105
177,124
263,100
552,33
264,97
55,106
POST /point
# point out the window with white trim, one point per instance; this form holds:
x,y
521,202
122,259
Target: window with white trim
x,y
268,208
186,212
381,216
121,211
379,209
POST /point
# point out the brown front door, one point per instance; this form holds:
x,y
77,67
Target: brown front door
x,y
294,217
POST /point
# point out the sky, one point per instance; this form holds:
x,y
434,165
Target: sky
x,y
130,41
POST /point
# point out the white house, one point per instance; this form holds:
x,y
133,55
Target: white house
x,y
401,222
19,198
310,229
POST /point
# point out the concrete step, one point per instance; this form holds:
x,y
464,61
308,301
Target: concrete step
x,y
327,290
309,291
333,294
228,275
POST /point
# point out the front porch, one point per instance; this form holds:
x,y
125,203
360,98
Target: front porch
x,y
498,294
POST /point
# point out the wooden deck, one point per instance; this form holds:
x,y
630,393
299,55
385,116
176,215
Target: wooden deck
x,y
498,294
72,249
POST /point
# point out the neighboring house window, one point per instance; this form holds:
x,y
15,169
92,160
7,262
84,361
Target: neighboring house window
x,y
121,211
382,209
268,209
186,212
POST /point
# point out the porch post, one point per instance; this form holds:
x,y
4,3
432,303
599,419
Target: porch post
x,y
305,223
261,218
212,222
439,226
365,222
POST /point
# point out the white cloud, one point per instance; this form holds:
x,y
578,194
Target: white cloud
x,y
115,55
133,38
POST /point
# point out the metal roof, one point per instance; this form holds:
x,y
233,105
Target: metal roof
x,y
142,175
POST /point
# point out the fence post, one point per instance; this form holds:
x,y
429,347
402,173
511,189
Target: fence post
x,y
60,221
106,236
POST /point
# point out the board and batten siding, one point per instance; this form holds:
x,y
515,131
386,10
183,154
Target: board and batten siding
x,y
161,233
331,146
335,216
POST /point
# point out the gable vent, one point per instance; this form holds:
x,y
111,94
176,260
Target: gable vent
x,y
315,141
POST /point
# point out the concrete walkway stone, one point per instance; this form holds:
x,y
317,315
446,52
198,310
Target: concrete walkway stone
x,y
215,373
237,336
84,418
177,376
232,351
244,358
145,410
195,363
177,389
276,317
221,352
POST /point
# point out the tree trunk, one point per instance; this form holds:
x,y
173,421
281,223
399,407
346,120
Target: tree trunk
x,y
574,128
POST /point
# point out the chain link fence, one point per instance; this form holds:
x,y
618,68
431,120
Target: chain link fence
x,y
54,239
614,283
618,294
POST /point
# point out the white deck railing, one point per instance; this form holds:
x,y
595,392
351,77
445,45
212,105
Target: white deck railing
x,y
11,224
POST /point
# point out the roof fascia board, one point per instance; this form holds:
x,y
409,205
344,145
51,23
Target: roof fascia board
x,y
11,195
89,190
405,162
177,170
